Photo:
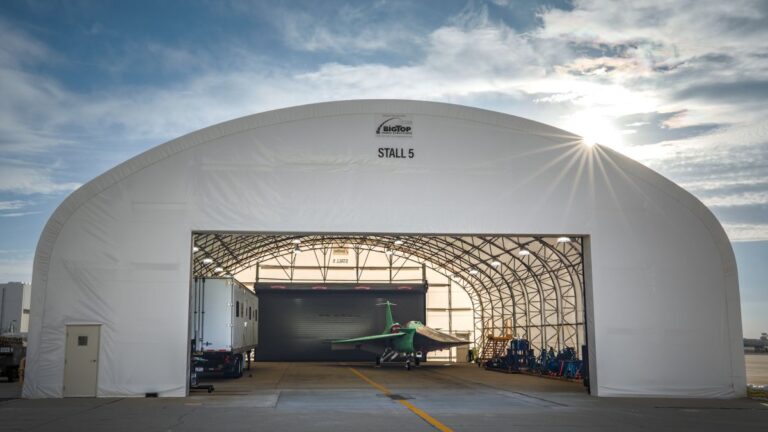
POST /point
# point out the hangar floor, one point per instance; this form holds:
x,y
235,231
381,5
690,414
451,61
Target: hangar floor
x,y
354,397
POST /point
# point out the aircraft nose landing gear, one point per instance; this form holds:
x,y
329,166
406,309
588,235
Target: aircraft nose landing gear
x,y
410,360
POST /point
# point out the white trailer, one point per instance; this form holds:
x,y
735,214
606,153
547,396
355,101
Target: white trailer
x,y
225,323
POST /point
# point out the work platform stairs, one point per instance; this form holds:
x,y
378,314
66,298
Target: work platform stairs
x,y
495,346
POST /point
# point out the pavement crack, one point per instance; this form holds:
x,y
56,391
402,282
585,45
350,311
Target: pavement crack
x,y
282,375
277,400
180,419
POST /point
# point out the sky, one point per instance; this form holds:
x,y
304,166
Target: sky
x,y
679,86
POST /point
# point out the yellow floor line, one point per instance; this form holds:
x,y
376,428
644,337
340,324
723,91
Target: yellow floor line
x,y
370,381
421,413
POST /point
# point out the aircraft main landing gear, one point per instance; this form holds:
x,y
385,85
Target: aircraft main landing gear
x,y
378,361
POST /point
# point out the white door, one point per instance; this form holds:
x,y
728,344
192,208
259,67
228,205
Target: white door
x,y
81,363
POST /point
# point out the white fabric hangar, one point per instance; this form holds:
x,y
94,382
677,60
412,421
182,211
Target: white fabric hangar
x,y
659,284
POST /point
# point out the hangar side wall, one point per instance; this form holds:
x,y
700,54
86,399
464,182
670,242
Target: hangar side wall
x,y
117,252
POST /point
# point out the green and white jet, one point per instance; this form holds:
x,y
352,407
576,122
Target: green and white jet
x,y
410,342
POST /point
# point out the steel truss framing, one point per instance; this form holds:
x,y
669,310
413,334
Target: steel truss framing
x,y
524,286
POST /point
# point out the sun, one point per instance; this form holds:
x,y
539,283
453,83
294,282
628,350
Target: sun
x,y
595,128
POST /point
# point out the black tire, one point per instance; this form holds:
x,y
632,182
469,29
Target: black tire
x,y
237,370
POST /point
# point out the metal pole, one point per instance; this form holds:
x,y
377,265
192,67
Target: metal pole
x,y
2,311
357,264
450,317
202,314
195,314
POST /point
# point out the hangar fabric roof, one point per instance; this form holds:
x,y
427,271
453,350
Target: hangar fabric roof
x,y
658,267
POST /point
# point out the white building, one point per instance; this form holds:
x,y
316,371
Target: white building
x,y
14,307
553,239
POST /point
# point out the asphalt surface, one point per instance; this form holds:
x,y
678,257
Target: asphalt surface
x,y
360,397
757,369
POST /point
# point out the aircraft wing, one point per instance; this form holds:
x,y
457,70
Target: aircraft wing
x,y
368,338
375,343
428,339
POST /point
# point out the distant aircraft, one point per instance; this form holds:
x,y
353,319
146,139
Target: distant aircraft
x,y
410,342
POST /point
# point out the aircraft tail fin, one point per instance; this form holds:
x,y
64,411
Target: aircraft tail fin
x,y
389,319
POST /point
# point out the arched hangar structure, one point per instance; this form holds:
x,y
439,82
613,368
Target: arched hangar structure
x,y
648,278
526,287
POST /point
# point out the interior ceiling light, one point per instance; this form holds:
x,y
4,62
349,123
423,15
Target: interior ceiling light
x,y
297,249
218,270
563,239
195,249
473,271
296,241
496,263
398,242
388,252
524,252
207,260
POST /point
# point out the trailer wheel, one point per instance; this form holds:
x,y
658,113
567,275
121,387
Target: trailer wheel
x,y
237,370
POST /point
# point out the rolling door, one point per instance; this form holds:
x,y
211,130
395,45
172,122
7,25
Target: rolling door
x,y
296,323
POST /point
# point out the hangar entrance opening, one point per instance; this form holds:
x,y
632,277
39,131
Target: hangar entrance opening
x,y
313,288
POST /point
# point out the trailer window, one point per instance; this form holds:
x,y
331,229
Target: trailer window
x,y
249,312
255,314
237,308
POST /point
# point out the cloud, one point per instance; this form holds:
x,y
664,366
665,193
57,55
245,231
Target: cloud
x,y
696,75
29,180
34,107
656,127
738,91
12,205
349,28
673,85
755,213
19,214
18,49
747,232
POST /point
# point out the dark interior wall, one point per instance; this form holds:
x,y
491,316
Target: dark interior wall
x,y
296,323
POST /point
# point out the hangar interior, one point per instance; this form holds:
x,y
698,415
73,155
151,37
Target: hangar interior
x,y
477,286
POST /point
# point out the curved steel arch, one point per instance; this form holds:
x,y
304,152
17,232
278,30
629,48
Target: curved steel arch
x,y
537,296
